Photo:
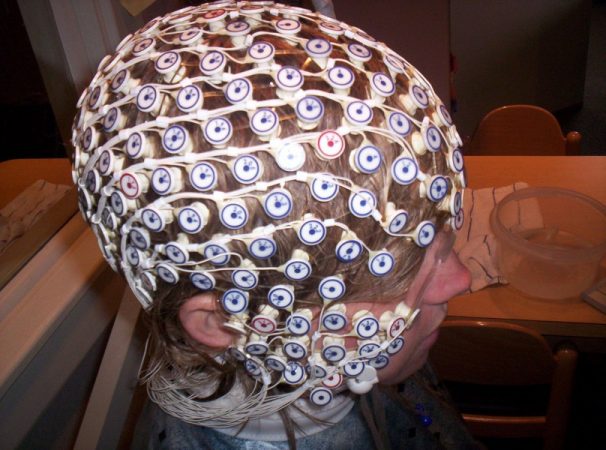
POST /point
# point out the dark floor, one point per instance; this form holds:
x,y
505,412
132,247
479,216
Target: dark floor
x,y
587,412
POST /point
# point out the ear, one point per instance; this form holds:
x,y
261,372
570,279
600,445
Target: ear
x,y
201,320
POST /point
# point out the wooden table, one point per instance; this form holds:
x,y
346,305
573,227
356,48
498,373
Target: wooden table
x,y
556,319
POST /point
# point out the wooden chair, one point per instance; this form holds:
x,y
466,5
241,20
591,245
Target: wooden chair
x,y
522,130
477,355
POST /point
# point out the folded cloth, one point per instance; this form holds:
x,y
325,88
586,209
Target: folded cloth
x,y
476,243
25,209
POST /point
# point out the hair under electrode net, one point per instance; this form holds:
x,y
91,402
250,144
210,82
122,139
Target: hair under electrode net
x,y
277,157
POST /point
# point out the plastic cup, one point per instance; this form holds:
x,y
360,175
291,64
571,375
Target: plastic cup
x,y
550,241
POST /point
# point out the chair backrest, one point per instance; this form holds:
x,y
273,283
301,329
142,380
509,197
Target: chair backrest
x,y
504,354
522,130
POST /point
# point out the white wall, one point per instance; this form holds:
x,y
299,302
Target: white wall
x,y
519,51
70,37
418,30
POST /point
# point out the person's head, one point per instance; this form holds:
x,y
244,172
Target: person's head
x,y
441,276
277,188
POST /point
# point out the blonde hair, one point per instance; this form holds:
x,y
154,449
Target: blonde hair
x,y
360,283
173,355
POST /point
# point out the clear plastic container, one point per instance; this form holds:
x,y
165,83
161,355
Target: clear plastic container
x,y
550,241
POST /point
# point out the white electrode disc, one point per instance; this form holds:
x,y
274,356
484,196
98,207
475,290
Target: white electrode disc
x,y
244,279
238,90
432,138
212,63
399,123
264,122
294,373
218,131
404,170
438,188
189,98
190,219
290,157
334,321
340,77
358,113
323,189
349,250
281,296
261,52
381,263
368,159
176,252
262,248
167,273
175,139
353,368
334,353
148,98
298,324
331,288
320,396
168,62
424,233
309,109
397,222
318,48
135,145
295,350
289,78
202,280
312,232
234,301
153,219
246,169
367,327
276,363
233,215
203,176
396,345
382,84
297,270
217,254
357,52
278,204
